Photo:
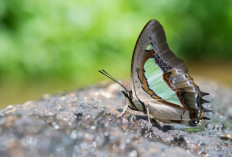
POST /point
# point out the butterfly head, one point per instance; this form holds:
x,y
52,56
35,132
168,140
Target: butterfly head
x,y
127,93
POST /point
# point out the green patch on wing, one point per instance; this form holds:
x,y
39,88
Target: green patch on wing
x,y
154,76
149,47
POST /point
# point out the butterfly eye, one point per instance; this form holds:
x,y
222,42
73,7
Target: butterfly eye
x,y
149,48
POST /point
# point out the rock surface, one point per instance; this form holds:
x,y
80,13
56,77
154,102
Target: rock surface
x,y
85,123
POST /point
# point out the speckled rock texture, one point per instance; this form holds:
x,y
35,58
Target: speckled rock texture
x,y
85,123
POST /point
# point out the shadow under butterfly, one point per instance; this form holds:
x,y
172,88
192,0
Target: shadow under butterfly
x,y
161,85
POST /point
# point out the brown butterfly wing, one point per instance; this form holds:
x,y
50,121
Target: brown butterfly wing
x,y
174,70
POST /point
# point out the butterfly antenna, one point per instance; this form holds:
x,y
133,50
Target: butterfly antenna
x,y
112,78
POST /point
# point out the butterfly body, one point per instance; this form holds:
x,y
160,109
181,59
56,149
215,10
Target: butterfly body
x,y
162,112
161,85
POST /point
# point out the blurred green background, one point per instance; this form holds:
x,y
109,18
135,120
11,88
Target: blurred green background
x,y
57,45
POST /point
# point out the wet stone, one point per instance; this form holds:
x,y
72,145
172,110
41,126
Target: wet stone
x,y
85,123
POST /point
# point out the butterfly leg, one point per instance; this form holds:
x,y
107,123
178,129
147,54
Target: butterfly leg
x,y
124,110
148,116
125,99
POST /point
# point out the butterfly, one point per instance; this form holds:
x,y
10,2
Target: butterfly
x,y
160,84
